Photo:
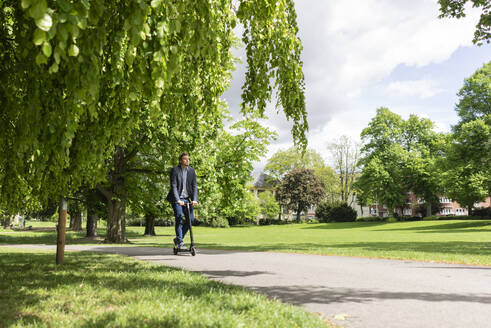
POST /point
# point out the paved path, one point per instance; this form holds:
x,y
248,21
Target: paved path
x,y
368,292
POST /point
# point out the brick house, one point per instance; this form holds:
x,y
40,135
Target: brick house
x,y
448,207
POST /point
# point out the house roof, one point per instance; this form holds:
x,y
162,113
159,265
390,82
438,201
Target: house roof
x,y
264,181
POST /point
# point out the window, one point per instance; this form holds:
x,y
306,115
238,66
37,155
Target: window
x,y
444,200
407,211
460,211
447,210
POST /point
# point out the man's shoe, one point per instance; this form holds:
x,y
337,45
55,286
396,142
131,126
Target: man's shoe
x,y
182,246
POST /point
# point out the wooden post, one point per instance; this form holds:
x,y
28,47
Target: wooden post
x,y
61,230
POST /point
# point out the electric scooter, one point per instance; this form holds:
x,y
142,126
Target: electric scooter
x,y
191,249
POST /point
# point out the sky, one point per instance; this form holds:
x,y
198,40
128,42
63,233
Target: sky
x,y
360,55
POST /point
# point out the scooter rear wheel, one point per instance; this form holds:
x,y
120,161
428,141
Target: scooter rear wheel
x,y
175,251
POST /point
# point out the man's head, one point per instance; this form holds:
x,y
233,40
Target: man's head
x,y
184,160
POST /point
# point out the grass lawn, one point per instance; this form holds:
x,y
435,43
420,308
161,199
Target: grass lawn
x,y
101,290
456,241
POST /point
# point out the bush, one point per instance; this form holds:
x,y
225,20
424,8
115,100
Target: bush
x,y
272,221
234,221
339,213
322,211
409,218
371,219
216,222
484,213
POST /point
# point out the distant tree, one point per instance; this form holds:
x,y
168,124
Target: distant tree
x,y
345,154
455,8
269,206
468,171
475,97
467,166
284,161
300,189
399,156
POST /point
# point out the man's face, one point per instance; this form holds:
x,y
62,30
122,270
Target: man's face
x,y
184,161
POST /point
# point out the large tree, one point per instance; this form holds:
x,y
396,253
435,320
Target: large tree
x,y
299,190
475,97
77,88
400,156
284,161
468,157
456,8
468,168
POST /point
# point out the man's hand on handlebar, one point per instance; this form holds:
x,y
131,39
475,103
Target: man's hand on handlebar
x,y
180,202
194,203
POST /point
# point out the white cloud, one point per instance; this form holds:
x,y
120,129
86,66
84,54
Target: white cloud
x,y
424,88
350,46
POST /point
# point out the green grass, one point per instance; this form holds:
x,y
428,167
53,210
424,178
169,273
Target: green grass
x,y
100,290
456,241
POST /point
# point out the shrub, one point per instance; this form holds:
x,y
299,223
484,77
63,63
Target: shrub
x,y
484,213
409,218
339,213
216,222
234,221
273,221
322,211
371,219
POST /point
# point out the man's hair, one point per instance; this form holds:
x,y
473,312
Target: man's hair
x,y
182,155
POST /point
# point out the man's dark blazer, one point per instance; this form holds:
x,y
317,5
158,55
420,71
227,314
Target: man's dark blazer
x,y
176,184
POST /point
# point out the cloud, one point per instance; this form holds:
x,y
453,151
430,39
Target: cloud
x,y
424,88
352,46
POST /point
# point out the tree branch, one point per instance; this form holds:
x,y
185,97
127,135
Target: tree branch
x,y
107,193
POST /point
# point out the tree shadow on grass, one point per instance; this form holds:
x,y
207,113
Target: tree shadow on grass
x,y
48,237
448,227
29,280
345,225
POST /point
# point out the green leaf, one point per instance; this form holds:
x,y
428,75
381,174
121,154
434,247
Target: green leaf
x,y
47,49
156,3
53,68
26,3
39,37
45,22
41,59
38,10
73,50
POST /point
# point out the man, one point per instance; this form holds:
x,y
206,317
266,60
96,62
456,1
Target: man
x,y
183,191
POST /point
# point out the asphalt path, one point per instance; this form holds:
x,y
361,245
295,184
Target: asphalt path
x,y
350,292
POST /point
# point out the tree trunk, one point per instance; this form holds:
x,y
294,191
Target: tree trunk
x,y
91,224
116,199
6,222
76,221
92,198
428,209
149,224
299,210
116,230
61,231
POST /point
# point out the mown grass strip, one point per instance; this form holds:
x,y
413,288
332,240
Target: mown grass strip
x,y
456,241
100,290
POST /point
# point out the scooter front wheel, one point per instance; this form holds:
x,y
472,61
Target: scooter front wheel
x,y
193,251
